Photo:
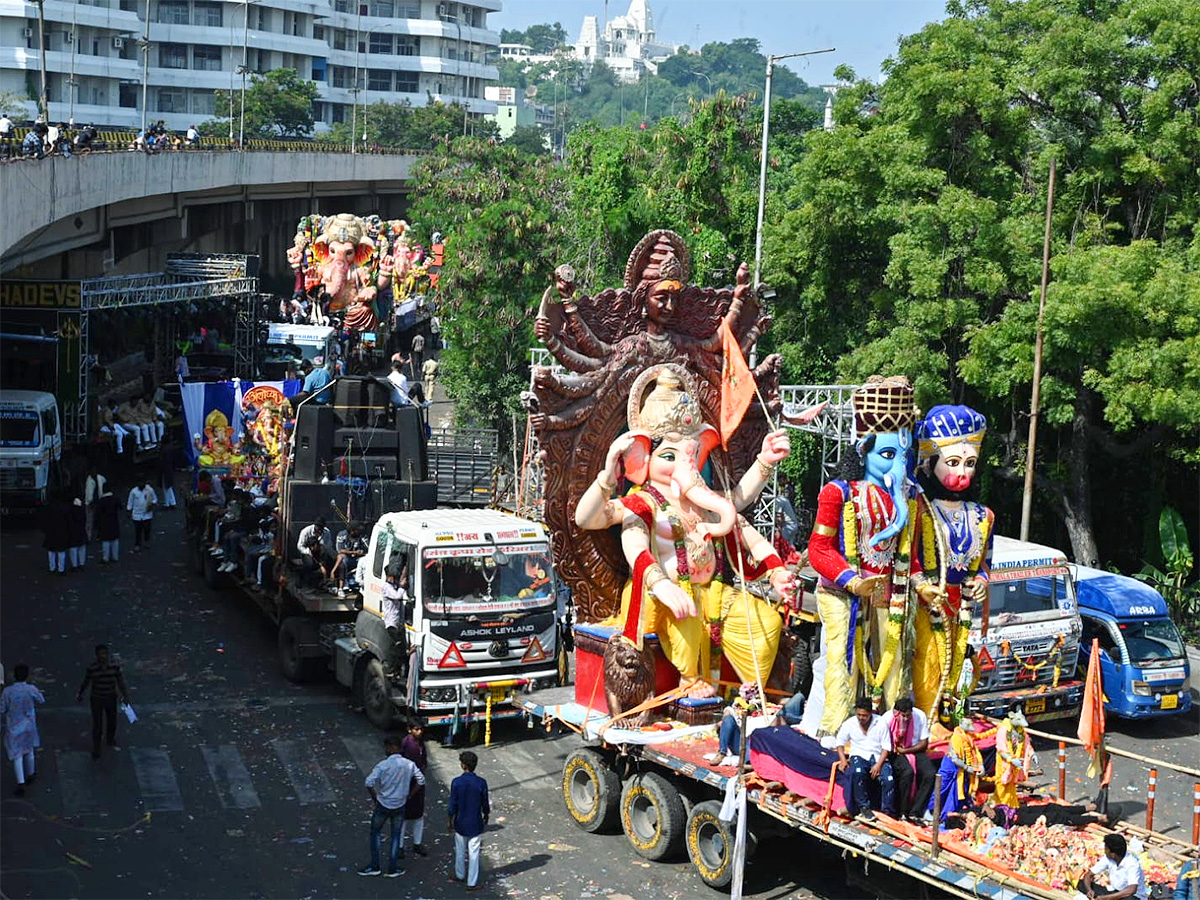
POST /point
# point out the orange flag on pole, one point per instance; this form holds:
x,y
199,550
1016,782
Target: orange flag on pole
x,y
737,385
1091,718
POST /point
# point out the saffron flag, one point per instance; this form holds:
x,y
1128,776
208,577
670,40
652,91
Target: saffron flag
x,y
1091,719
737,385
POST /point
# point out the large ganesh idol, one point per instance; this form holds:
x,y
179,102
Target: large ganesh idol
x,y
861,547
604,343
347,265
954,550
682,540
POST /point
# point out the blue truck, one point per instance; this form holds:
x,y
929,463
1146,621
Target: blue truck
x,y
1143,661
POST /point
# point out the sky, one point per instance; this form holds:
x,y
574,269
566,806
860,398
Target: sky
x,y
863,31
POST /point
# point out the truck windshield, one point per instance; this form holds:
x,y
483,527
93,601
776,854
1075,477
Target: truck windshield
x,y
1152,640
1040,594
470,585
19,429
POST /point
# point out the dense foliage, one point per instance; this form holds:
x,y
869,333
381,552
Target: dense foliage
x,y
410,127
277,104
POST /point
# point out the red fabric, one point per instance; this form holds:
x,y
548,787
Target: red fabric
x,y
768,768
824,554
633,619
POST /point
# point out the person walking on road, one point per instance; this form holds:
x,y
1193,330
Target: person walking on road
x,y
77,531
413,748
141,503
418,354
107,684
18,709
93,487
108,527
469,810
388,784
56,526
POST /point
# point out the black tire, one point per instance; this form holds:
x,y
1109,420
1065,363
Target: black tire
x,y
592,791
377,697
296,668
801,669
652,816
710,844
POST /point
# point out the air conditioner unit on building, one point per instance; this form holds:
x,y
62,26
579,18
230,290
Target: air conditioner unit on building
x,y
27,32
69,37
118,43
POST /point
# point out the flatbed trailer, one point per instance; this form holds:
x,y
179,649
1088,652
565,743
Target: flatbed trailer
x,y
666,799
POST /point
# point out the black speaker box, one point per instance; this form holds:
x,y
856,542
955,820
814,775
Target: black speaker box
x,y
313,436
366,440
412,449
397,496
372,467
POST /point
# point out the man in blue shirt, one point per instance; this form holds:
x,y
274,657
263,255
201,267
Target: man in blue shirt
x,y
388,786
469,811
316,380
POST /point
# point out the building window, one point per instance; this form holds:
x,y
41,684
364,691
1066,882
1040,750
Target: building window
x,y
408,10
173,12
203,102
408,45
381,43
379,80
206,58
173,56
337,113
337,76
341,5
172,100
385,8
207,15
340,40
318,32
408,82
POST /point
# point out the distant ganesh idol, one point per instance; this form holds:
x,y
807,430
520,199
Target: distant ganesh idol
x,y
955,547
861,548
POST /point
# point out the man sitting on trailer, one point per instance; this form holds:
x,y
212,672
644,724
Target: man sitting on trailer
x,y
316,548
1122,870
350,546
863,733
906,738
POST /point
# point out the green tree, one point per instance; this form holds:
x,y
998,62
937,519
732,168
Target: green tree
x,y
278,104
502,213
528,139
411,127
546,38
911,242
11,104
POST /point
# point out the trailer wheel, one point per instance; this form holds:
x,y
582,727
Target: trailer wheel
x,y
801,670
377,697
296,668
710,844
652,815
591,791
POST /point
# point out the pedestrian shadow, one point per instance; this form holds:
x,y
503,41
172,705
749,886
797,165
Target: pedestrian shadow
x,y
537,861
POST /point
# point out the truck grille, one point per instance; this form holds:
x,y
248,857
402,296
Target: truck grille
x,y
1010,674
23,477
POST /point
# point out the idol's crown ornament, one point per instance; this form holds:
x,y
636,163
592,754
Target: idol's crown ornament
x,y
947,426
668,409
883,405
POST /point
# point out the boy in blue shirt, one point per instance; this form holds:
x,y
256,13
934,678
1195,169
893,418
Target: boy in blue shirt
x,y
469,811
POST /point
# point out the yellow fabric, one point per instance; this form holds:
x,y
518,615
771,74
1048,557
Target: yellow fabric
x,y
1016,744
735,638
926,668
834,610
684,643
963,746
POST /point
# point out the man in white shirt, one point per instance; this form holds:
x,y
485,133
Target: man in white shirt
x,y
905,734
1121,869
6,135
866,758
140,504
388,786
399,384
316,547
192,137
395,595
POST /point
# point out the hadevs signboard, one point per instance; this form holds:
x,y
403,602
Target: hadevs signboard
x,y
41,294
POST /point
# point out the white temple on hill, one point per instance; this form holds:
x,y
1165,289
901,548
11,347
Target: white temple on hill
x,y
628,44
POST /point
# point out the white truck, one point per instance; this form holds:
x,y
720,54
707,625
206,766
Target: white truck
x,y
30,447
1032,643
482,624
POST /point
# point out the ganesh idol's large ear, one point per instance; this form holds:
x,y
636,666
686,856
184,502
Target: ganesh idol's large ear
x,y
364,251
709,438
637,458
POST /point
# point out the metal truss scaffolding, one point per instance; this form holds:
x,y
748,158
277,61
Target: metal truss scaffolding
x,y
834,424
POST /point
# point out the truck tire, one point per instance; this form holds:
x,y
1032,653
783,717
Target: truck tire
x,y
377,697
652,816
710,844
801,669
296,668
591,791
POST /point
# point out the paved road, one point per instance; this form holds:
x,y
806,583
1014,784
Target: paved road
x,y
235,783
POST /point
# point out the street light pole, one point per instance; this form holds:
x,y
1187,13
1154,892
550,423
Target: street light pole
x,y
74,47
762,171
244,70
45,97
354,90
144,45
710,84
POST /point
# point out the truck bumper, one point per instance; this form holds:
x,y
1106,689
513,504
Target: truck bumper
x,y
1150,707
1062,702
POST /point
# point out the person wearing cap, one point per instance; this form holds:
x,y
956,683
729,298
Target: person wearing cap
x,y
960,770
953,550
1014,757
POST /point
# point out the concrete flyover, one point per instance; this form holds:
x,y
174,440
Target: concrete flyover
x,y
55,204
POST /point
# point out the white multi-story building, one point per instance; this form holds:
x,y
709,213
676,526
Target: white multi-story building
x,y
627,44
356,51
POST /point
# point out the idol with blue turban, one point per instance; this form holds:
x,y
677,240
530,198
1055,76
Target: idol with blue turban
x,y
953,550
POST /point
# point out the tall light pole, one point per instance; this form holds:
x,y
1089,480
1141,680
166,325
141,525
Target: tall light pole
x,y
366,88
762,172
44,100
144,46
354,90
709,80
74,47
242,70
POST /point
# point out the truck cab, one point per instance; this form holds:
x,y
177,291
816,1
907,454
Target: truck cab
x,y
30,447
481,622
289,344
1032,645
1143,663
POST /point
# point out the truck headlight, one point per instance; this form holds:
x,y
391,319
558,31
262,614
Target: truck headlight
x,y
1142,689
